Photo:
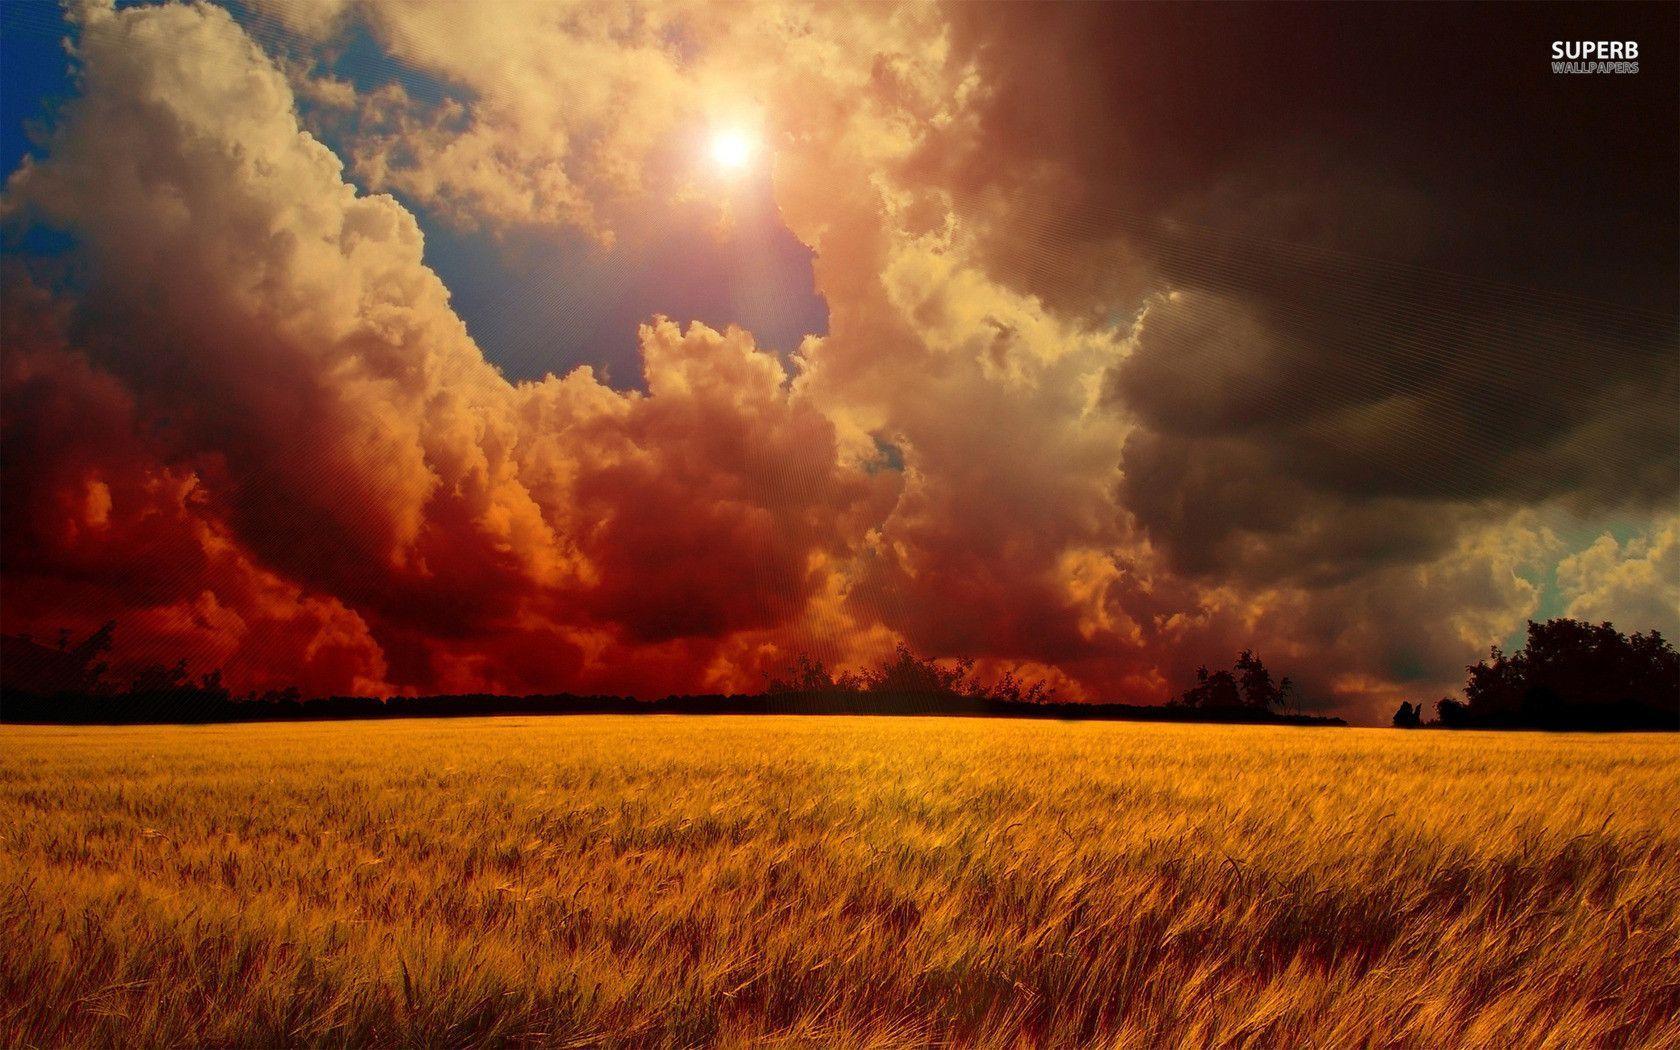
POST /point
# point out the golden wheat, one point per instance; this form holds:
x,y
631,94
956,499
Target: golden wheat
x,y
662,881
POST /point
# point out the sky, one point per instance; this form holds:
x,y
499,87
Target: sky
x,y
640,349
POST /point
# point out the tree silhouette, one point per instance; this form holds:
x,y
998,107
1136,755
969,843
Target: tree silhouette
x,y
65,684
1573,674
27,666
1248,685
1216,690
906,675
1258,689
808,675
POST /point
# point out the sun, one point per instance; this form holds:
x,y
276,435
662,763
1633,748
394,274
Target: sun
x,y
731,149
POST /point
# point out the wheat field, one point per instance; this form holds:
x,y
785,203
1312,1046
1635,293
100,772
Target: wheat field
x,y
670,881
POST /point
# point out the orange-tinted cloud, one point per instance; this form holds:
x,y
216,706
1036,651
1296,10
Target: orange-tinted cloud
x,y
322,403
98,525
266,437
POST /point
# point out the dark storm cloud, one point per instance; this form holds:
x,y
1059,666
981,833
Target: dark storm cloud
x,y
1417,273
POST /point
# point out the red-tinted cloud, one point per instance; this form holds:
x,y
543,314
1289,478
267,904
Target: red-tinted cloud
x,y
1040,430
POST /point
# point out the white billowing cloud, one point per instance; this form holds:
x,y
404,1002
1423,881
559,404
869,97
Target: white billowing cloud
x,y
1635,585
315,19
573,106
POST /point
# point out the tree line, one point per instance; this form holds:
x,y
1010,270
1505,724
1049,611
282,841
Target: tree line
x,y
72,683
1569,675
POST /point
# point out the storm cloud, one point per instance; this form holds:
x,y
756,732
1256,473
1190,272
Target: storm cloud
x,y
1153,333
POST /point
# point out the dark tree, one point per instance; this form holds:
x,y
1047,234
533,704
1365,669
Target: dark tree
x,y
1408,717
159,679
1248,686
810,676
1218,690
1257,685
1450,712
29,667
1011,689
907,674
1574,674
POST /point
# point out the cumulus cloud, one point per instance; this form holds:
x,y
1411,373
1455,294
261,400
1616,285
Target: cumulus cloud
x,y
314,390
574,111
1634,583
98,524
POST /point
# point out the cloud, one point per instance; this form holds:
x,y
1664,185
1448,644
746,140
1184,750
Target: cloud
x,y
573,108
312,387
98,525
1113,384
1433,308
314,19
1635,584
